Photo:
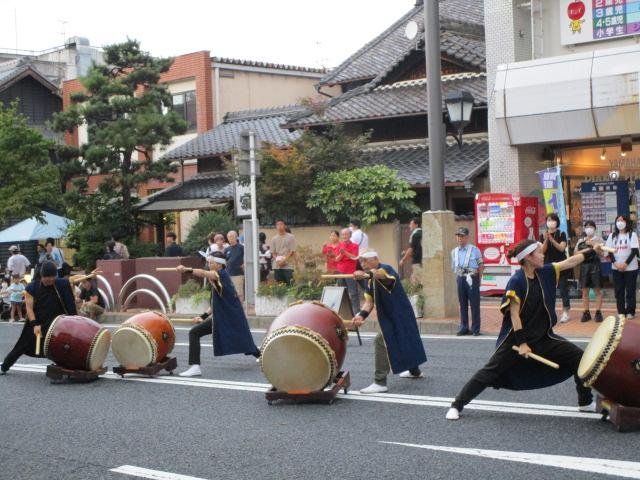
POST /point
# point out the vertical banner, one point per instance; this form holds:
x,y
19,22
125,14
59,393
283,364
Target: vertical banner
x,y
553,194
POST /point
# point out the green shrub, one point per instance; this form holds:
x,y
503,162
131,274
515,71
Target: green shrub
x,y
273,289
141,249
411,288
310,291
195,290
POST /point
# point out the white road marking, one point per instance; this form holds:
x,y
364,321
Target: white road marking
x,y
619,468
399,399
153,474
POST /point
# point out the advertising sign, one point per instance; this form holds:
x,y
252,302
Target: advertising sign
x,y
553,193
593,20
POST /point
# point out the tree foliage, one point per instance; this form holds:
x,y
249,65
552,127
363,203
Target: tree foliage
x,y
285,183
95,217
288,174
123,106
373,194
219,220
29,181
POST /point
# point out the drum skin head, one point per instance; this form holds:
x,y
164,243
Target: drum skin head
x,y
296,364
593,353
132,348
99,350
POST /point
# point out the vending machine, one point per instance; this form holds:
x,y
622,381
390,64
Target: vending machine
x,y
502,220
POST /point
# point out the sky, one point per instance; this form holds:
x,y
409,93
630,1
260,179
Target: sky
x,y
293,32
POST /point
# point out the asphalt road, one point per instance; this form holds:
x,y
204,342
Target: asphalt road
x,y
219,426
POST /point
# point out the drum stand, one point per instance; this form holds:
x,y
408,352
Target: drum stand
x,y
342,382
169,364
624,419
57,373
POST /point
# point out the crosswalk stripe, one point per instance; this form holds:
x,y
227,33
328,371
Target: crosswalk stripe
x,y
604,466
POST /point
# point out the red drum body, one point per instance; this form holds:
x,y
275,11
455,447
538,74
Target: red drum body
x,y
611,361
144,339
304,348
77,343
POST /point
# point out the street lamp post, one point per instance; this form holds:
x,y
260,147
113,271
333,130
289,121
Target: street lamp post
x,y
435,124
459,107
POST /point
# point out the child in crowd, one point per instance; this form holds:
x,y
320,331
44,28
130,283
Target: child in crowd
x,y
590,272
16,295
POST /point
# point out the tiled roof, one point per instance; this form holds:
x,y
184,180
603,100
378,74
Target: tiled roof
x,y
13,70
384,51
222,139
215,186
412,161
464,11
404,98
278,66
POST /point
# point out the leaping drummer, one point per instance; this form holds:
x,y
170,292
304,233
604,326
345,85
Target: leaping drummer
x,y
528,307
229,325
398,347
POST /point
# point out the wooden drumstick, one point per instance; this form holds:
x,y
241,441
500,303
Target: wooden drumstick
x,y
172,269
607,249
538,358
38,337
84,277
337,275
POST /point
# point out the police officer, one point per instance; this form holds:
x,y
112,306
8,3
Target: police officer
x,y
466,262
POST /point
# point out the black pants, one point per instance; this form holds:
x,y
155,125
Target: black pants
x,y
560,351
624,286
195,334
564,289
283,275
26,345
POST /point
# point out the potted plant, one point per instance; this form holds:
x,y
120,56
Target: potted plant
x,y
192,298
271,298
416,296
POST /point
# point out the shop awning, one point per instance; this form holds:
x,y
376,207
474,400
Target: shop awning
x,y
576,97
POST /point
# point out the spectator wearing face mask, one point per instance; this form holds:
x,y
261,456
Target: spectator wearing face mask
x,y
624,265
554,246
590,272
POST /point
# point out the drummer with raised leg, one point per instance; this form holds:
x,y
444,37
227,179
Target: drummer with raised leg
x,y
229,326
398,347
45,299
528,307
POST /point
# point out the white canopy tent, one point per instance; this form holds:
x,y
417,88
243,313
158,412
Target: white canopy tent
x,y
53,226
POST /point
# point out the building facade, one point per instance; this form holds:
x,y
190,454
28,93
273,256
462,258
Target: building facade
x,y
204,90
562,77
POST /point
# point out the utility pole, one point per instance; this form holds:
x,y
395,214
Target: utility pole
x,y
254,210
435,124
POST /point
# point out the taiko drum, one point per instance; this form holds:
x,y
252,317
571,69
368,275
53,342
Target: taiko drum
x,y
144,339
611,361
77,343
304,348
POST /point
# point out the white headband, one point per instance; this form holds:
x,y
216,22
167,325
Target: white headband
x,y
212,258
369,255
530,249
